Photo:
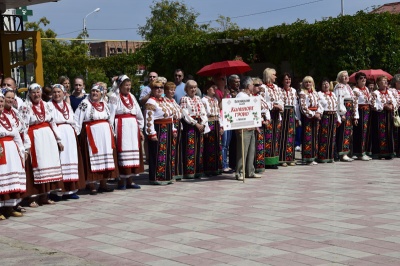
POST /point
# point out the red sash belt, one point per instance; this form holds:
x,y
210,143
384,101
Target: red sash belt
x,y
31,129
313,108
163,121
3,159
92,144
363,106
119,129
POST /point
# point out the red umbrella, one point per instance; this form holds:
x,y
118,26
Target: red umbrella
x,y
225,68
372,74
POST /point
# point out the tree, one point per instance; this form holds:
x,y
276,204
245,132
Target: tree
x,y
169,18
225,24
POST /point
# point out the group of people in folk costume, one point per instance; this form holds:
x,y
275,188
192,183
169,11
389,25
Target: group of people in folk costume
x,y
51,149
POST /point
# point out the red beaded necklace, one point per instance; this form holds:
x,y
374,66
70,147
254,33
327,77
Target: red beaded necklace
x,y
11,112
128,104
5,123
64,110
99,106
270,85
40,115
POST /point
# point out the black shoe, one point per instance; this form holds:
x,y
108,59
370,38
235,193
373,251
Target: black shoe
x,y
106,189
274,167
55,197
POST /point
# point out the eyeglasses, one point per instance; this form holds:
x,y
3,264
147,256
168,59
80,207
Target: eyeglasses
x,y
362,78
178,76
158,88
152,77
257,85
6,85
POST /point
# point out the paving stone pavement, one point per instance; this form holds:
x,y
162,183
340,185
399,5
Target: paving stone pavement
x,y
328,214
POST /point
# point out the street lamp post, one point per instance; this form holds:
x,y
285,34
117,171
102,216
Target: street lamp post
x,y
84,35
84,23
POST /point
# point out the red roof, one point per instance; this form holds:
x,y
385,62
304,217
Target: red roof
x,y
393,8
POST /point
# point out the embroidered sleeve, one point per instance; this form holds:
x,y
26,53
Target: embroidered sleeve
x,y
304,106
149,111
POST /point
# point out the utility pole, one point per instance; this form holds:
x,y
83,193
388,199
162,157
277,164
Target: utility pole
x,y
342,7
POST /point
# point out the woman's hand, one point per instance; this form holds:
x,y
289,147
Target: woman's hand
x,y
60,146
388,106
26,156
200,127
141,135
343,118
317,116
355,122
154,138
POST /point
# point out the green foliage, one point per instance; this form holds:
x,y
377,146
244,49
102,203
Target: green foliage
x,y
169,18
320,49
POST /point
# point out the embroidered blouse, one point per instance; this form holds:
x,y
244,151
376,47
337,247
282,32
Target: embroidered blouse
x,y
310,103
42,113
290,99
380,98
155,109
86,112
363,95
344,92
120,104
328,102
193,108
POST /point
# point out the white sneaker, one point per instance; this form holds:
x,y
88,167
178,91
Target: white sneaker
x,y
297,148
346,158
312,163
365,158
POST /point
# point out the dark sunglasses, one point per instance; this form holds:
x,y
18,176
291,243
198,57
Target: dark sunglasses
x,y
257,85
157,88
178,76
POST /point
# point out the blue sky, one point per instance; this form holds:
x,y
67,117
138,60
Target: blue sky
x,y
118,19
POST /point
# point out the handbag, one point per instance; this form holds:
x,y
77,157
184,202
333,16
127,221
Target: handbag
x,y
396,119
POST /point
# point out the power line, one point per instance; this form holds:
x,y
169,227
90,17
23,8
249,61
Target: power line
x,y
268,11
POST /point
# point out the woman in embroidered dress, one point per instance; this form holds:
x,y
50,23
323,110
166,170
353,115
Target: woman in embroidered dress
x,y
311,111
396,131
291,119
330,120
96,138
259,157
71,158
16,119
383,104
348,110
12,159
161,133
195,124
361,132
212,153
43,170
274,98
169,91
128,124
78,95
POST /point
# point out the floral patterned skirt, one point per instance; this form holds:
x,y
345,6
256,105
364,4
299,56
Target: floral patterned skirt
x,y
309,146
326,137
161,160
288,133
382,145
272,135
344,133
212,154
192,151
